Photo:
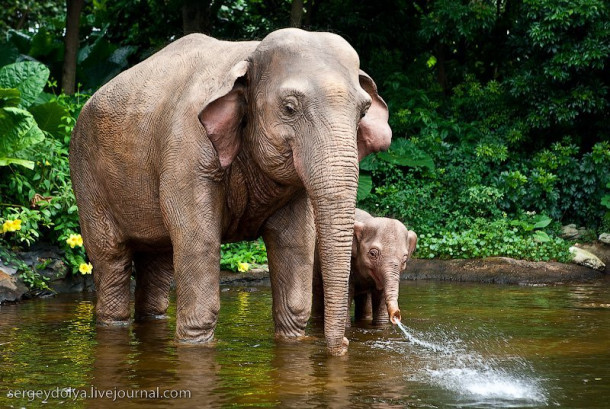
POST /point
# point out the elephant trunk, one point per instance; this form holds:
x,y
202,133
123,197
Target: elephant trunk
x,y
392,281
330,177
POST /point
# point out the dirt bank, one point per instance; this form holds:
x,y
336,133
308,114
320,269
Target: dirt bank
x,y
500,270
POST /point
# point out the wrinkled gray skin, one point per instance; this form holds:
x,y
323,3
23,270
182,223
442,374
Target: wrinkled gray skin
x,y
209,141
381,248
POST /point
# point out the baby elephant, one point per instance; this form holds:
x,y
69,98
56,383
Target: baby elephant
x,y
381,248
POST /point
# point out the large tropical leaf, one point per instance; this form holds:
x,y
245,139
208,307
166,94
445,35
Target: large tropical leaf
x,y
48,116
18,130
9,97
365,185
29,77
14,161
404,153
8,53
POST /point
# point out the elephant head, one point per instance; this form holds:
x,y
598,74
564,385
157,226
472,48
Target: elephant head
x,y
381,249
306,114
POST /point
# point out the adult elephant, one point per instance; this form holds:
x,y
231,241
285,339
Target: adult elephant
x,y
210,141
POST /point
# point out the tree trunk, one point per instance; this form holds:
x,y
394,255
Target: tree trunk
x,y
311,8
198,15
296,13
68,79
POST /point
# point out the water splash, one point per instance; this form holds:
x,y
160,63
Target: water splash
x,y
426,344
480,380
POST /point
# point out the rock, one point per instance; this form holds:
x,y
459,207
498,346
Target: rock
x,y
7,269
12,288
604,238
571,232
599,249
587,259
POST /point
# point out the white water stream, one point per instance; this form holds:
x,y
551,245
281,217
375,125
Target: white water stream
x,y
480,381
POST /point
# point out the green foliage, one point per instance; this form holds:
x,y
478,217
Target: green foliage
x,y
239,256
491,239
35,127
498,109
20,86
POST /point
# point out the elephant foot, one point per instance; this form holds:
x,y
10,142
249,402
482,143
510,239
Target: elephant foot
x,y
292,339
338,350
150,317
192,336
190,342
112,323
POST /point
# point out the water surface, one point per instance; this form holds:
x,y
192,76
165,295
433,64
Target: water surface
x,y
464,345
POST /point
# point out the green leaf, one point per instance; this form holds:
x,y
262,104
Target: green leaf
x,y
369,163
365,185
606,201
542,222
404,153
8,53
9,97
44,43
48,116
541,237
21,162
29,77
20,39
18,129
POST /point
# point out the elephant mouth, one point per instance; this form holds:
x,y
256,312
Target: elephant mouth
x,y
377,279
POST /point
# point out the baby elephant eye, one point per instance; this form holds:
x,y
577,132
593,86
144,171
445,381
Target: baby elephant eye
x,y
374,253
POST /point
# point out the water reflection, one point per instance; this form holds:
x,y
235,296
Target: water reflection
x,y
493,344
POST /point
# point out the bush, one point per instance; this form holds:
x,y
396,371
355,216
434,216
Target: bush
x,y
35,186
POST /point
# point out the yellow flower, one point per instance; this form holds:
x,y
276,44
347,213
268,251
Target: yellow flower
x,y
11,225
75,240
85,268
243,267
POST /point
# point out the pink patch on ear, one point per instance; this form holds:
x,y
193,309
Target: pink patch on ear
x,y
222,122
374,132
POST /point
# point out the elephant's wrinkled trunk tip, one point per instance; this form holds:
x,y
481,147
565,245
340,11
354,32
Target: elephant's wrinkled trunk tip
x,y
395,317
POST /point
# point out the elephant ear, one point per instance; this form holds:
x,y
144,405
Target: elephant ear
x,y
358,230
222,117
411,242
374,133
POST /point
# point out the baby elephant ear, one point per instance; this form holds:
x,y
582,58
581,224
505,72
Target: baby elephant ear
x,y
358,229
374,133
222,117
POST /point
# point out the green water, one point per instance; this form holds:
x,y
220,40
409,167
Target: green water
x,y
476,346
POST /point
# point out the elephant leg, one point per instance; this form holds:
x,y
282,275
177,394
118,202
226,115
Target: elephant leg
x,y
112,267
363,309
154,273
290,239
317,308
380,310
194,223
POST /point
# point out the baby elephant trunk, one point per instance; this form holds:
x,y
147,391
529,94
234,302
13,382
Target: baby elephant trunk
x,y
393,312
391,294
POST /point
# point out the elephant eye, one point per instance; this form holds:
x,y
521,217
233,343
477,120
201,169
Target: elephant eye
x,y
290,105
290,109
374,253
